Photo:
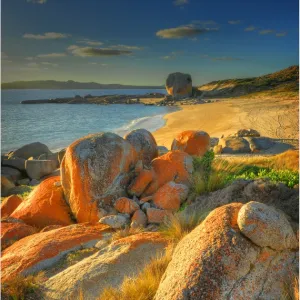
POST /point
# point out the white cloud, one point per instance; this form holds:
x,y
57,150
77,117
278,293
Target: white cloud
x,y
266,31
49,64
37,1
51,55
172,55
126,47
281,34
250,28
90,42
182,31
90,51
46,36
180,2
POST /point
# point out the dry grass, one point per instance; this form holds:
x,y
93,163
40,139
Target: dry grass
x,y
144,286
127,231
21,287
291,289
288,160
179,225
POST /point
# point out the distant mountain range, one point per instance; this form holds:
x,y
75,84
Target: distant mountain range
x,y
69,85
281,84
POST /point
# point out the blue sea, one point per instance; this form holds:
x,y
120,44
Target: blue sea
x,y
58,125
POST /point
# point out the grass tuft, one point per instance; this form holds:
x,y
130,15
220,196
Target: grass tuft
x,y
21,287
145,285
127,231
179,225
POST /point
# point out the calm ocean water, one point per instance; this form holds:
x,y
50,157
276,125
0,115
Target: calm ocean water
x,y
58,125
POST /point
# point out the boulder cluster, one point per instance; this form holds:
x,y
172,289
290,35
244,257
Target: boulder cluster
x,y
246,248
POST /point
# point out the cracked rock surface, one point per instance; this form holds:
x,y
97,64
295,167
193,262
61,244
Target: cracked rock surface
x,y
217,261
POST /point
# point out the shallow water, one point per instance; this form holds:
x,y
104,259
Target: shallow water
x,y
58,125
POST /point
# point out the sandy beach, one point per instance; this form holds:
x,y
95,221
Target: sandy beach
x,y
227,116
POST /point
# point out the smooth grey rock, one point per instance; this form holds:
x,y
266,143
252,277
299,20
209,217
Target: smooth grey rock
x,y
115,221
233,145
39,168
30,150
12,174
17,162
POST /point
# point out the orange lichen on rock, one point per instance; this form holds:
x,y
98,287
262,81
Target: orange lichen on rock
x,y
44,206
193,142
9,205
41,250
139,219
170,196
95,171
140,183
173,166
12,232
126,206
141,238
158,216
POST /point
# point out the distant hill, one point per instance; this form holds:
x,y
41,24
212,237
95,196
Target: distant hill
x,y
69,85
284,83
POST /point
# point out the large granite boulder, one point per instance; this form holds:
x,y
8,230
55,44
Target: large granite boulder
x,y
95,172
18,163
234,145
277,195
30,150
42,250
9,205
217,261
36,169
106,268
193,142
44,206
6,186
144,144
11,174
260,143
179,85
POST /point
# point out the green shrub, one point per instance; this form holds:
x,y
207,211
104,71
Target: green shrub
x,y
288,177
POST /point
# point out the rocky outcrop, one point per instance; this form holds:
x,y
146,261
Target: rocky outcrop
x,y
247,133
144,144
44,249
170,196
217,261
126,206
258,144
9,205
44,206
6,186
277,195
106,268
233,145
95,171
30,150
179,85
174,166
12,232
11,174
193,142
36,169
18,163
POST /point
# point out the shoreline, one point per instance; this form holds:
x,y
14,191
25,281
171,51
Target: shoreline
x,y
226,117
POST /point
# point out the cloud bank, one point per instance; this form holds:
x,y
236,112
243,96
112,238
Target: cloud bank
x,y
46,36
90,51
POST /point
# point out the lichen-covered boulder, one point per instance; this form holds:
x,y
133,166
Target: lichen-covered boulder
x,y
36,169
193,142
12,232
174,166
139,219
233,145
30,150
170,196
9,205
44,206
42,250
95,171
126,206
108,267
266,226
216,261
179,84
157,216
139,184
144,144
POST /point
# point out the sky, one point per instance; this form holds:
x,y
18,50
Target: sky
x,y
141,41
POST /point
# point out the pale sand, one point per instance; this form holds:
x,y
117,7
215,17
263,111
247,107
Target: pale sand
x,y
226,117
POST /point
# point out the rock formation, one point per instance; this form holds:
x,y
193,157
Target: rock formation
x,y
179,85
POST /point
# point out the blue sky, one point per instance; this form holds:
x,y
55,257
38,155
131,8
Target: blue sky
x,y
141,42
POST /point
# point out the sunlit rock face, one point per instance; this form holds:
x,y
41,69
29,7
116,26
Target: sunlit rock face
x,y
179,85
